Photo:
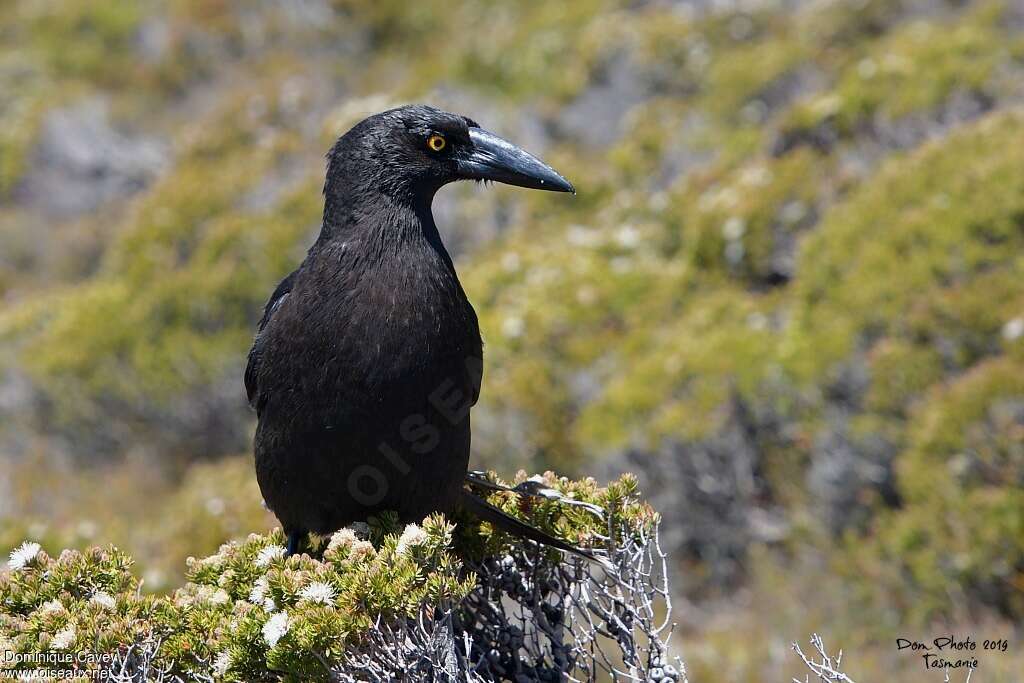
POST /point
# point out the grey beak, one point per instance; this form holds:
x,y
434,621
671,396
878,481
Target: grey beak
x,y
497,159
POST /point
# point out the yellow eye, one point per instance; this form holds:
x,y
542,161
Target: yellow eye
x,y
436,143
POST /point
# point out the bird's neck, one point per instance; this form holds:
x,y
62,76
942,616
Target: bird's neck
x,y
381,222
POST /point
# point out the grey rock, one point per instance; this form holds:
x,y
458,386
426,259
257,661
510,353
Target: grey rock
x,y
82,161
595,117
843,470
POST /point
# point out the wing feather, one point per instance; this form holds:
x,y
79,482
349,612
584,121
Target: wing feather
x,y
253,365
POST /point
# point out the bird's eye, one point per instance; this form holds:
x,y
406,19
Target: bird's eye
x,y
436,142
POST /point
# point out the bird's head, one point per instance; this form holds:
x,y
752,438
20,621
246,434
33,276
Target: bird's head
x,y
415,150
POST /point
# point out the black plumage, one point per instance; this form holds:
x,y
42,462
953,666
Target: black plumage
x,y
368,357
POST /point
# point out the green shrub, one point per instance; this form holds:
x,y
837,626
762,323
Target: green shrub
x,y
248,613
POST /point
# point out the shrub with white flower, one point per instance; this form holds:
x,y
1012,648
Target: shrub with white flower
x,y
221,663
259,590
318,591
51,607
392,605
64,639
412,536
23,555
103,599
269,555
275,628
343,538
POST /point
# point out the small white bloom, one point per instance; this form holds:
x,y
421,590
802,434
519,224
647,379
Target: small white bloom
x,y
259,590
220,597
23,554
215,506
51,607
413,536
627,237
1013,329
582,236
318,591
275,628
734,228
513,326
260,595
154,578
86,528
221,663
269,554
64,638
510,262
342,539
103,599
211,561
867,68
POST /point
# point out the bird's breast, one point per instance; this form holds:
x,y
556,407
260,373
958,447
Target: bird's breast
x,y
388,336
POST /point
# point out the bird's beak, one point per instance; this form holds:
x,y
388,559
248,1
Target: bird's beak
x,y
493,158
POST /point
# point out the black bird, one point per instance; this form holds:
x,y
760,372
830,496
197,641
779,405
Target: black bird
x,y
368,357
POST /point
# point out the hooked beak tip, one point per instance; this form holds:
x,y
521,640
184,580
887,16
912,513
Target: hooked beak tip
x,y
493,158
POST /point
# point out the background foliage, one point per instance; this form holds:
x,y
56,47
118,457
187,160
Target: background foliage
x,y
788,295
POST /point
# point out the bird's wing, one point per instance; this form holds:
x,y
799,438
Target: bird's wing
x,y
253,365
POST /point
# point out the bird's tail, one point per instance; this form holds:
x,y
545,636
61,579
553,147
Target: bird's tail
x,y
506,522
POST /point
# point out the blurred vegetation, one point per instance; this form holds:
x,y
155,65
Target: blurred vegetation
x,y
798,235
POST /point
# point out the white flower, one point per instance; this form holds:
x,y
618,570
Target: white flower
x,y
259,595
627,237
269,554
275,628
220,597
221,663
342,539
23,554
103,599
154,578
259,590
413,536
734,228
1013,329
51,607
513,326
64,638
510,262
215,506
318,591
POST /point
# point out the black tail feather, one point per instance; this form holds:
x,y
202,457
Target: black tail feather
x,y
506,522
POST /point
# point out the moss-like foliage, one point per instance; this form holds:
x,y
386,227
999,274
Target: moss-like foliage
x,y
914,69
963,523
912,251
